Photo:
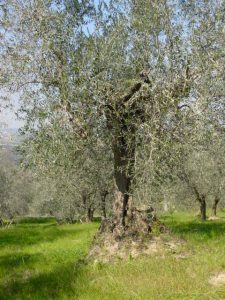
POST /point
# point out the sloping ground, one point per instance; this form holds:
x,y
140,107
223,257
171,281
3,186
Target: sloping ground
x,y
43,260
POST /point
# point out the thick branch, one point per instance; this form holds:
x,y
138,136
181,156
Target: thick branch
x,y
133,90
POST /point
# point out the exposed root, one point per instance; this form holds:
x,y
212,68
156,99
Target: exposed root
x,y
138,223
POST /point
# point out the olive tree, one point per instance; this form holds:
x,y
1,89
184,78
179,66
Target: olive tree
x,y
119,74
130,71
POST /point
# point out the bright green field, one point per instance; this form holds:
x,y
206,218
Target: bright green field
x,y
42,260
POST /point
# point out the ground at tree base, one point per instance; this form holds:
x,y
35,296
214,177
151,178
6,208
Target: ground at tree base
x,y
107,250
143,234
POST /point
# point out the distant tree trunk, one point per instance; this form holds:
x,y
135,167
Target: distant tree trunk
x,y
214,207
203,208
103,203
165,206
202,201
1,222
90,214
88,207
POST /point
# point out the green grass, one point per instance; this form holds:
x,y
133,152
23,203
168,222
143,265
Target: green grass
x,y
42,260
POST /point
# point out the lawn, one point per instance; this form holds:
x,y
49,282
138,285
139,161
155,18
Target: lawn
x,y
42,260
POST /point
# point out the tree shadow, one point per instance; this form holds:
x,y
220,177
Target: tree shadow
x,y
28,275
207,229
37,220
59,283
30,235
15,260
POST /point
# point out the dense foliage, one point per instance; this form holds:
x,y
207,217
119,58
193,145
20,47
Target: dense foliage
x,y
127,89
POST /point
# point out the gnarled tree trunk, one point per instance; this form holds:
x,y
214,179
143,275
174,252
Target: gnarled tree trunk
x,y
124,156
122,118
124,114
127,220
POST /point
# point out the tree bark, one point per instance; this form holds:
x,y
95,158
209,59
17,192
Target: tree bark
x,y
121,115
203,208
103,203
124,157
90,214
88,207
202,200
214,207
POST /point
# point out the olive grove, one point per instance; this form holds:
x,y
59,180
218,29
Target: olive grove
x,y
123,101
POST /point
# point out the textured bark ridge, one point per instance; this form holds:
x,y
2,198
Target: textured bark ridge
x,y
203,208
137,223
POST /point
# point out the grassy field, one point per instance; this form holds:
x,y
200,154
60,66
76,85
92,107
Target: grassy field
x,y
42,260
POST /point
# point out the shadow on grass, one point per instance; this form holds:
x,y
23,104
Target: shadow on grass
x,y
38,275
31,235
208,229
35,220
60,283
14,260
